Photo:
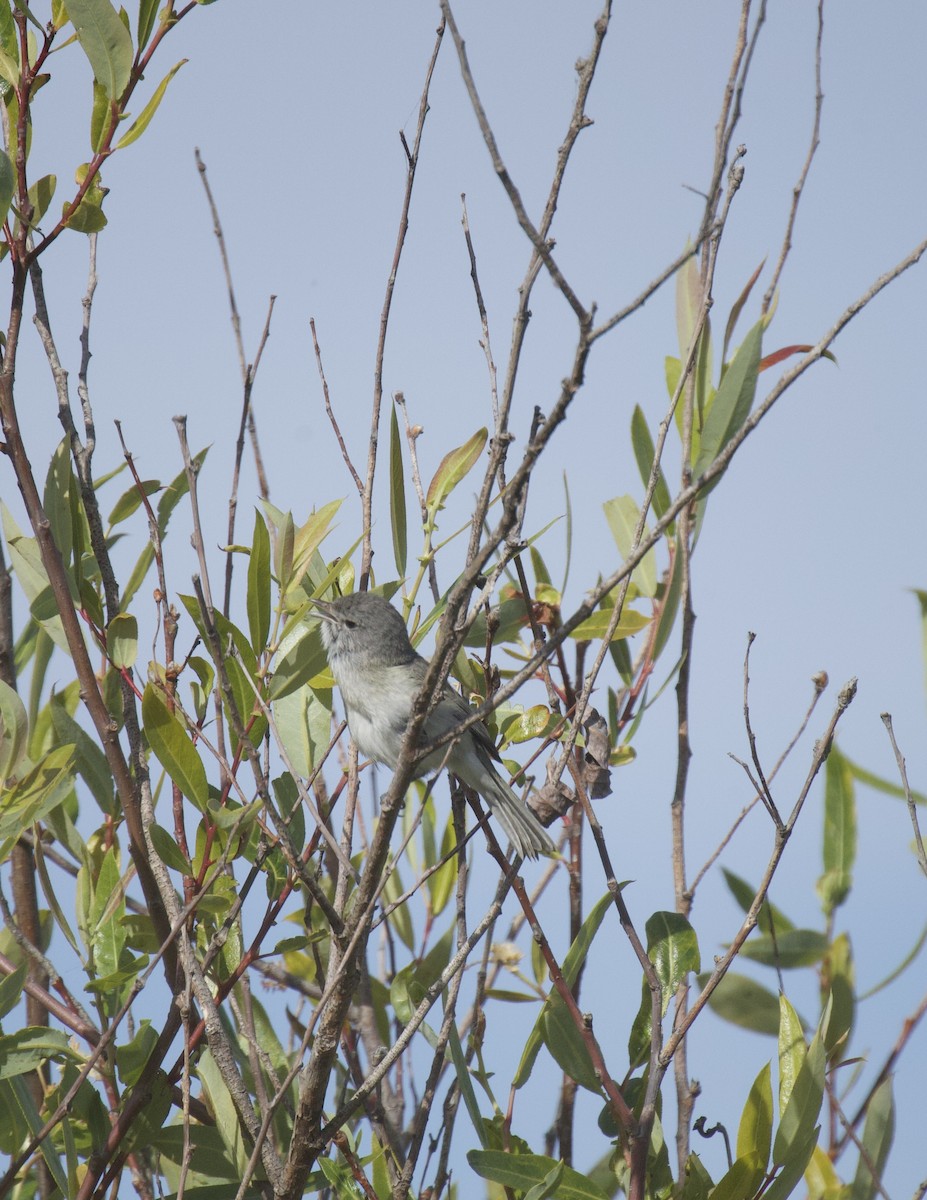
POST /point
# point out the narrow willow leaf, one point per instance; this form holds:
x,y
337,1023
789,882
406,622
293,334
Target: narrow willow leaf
x,y
7,184
737,308
465,1084
259,586
309,536
106,42
168,738
168,850
642,444
839,977
887,786
688,302
794,1168
453,468
397,497
147,11
143,120
575,957
89,758
791,1050
733,400
754,1135
839,844
804,1104
878,1133
623,515
14,730
770,919
524,1171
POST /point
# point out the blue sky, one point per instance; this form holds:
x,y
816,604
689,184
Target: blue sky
x,y
814,537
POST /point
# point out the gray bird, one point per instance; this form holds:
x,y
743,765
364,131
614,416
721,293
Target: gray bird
x,y
380,674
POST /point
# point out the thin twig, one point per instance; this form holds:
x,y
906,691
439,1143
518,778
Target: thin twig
x,y
820,683
799,188
412,156
909,799
358,482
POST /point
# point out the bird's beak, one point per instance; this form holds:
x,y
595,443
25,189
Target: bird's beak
x,y
323,609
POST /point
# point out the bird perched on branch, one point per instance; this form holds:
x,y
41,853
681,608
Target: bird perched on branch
x,y
380,674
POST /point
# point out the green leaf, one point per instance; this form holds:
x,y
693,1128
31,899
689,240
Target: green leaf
x,y
259,585
143,120
35,796
575,957
791,1050
397,497
453,468
7,184
306,541
147,11
673,949
41,195
106,42
304,660
754,1135
14,730
839,847
122,640
688,301
168,850
737,308
642,444
878,1133
524,1171
839,977
770,919
623,515
742,1179
549,1185
595,627
27,1050
100,117
733,400
566,1045
465,1084
88,217
89,758
794,1168
9,68
792,948
743,1002
168,738
11,988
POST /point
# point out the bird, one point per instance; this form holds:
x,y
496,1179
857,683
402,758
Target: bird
x,y
379,674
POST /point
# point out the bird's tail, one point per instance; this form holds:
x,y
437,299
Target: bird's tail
x,y
524,830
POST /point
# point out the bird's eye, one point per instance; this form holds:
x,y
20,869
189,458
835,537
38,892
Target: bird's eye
x,y
350,624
